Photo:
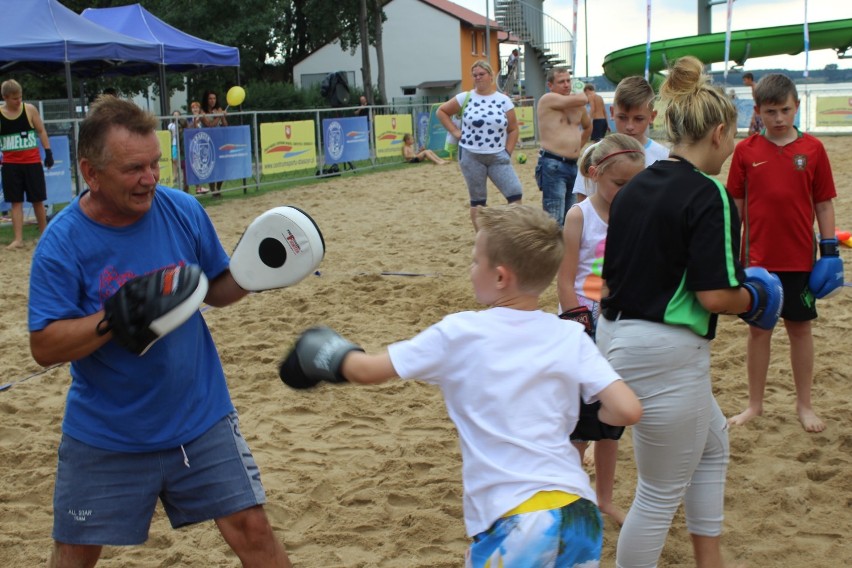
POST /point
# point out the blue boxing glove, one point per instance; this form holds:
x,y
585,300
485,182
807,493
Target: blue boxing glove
x,y
827,275
767,298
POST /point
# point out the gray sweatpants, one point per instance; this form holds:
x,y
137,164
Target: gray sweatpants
x,y
478,168
681,442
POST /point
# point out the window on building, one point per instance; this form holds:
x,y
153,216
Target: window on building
x,y
473,42
482,44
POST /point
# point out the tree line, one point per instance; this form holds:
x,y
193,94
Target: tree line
x,y
271,35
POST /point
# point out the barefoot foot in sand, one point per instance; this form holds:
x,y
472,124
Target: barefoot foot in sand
x,y
810,421
15,245
744,416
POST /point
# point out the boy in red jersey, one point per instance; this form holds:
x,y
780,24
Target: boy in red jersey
x,y
781,181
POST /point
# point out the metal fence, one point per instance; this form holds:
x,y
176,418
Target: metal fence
x,y
817,115
70,128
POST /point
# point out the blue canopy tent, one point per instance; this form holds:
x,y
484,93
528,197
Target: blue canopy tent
x,y
45,36
178,51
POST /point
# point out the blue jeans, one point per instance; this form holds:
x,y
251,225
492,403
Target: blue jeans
x,y
555,179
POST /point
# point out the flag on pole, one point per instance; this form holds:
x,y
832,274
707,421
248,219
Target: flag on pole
x,y
807,39
574,43
728,39
648,47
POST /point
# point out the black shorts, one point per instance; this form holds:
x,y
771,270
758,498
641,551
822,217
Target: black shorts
x,y
414,161
21,180
599,128
590,429
799,301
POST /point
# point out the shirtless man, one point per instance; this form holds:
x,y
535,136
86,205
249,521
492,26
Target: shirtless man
x,y
561,115
755,125
597,111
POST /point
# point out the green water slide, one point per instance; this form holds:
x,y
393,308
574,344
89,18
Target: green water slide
x,y
710,48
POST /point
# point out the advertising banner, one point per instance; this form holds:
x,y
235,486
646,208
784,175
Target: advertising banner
x,y
436,135
744,109
422,138
345,139
390,129
165,139
287,146
217,154
526,122
833,111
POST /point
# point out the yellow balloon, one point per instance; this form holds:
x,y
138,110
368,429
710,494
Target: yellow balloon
x,y
236,95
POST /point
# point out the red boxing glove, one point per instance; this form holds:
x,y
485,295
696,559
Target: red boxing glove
x,y
580,314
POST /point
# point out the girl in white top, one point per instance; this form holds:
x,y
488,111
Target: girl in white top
x,y
176,126
608,165
584,187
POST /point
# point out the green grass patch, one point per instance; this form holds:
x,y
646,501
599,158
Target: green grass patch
x,y
6,234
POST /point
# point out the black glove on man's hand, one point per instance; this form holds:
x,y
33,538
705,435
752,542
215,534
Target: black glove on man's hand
x,y
148,307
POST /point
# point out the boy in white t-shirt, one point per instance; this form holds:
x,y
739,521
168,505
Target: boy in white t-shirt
x,y
632,111
513,400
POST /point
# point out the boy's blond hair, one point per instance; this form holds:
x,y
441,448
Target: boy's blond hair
x,y
634,93
524,239
10,87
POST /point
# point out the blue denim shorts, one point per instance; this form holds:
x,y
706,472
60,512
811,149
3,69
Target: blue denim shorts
x,y
108,498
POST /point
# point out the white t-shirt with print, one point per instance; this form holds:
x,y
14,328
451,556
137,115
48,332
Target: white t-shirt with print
x,y
484,123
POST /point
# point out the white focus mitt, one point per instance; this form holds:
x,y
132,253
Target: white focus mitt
x,y
278,249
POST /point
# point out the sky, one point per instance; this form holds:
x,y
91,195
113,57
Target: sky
x,y
617,24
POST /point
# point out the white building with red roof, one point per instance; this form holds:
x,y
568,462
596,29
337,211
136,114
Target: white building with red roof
x,y
429,47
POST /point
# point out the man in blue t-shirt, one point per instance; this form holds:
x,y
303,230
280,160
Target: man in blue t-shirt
x,y
138,428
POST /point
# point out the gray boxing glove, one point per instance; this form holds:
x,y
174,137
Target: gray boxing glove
x,y
317,356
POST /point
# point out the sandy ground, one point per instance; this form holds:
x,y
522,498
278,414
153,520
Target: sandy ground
x,y
369,477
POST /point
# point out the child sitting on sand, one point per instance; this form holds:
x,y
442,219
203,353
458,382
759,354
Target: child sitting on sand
x,y
413,157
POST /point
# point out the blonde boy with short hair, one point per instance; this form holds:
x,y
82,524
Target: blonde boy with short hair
x,y
513,400
633,112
